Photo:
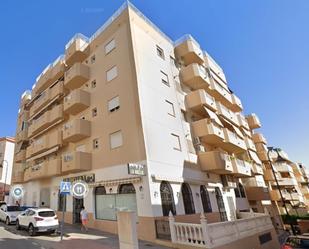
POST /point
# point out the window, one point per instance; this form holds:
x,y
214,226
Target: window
x,y
93,84
236,191
115,139
126,189
187,199
164,78
114,104
95,143
111,73
94,112
205,199
176,142
92,59
220,203
167,199
62,203
110,46
170,108
242,191
160,52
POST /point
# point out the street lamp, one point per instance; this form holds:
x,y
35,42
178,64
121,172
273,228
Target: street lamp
x,y
6,175
276,150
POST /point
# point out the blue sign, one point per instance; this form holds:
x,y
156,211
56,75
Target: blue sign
x,y
65,188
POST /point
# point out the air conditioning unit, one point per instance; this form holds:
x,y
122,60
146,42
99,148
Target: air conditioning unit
x,y
228,181
199,148
196,141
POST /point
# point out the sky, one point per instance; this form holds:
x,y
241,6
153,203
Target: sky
x,y
262,45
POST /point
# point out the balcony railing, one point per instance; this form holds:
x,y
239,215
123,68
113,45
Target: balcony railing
x,y
20,156
287,182
253,121
198,99
232,142
215,161
195,76
76,130
208,130
241,168
243,121
259,138
76,161
227,114
76,49
250,144
221,234
257,169
54,167
221,93
189,51
22,135
76,76
76,101
237,105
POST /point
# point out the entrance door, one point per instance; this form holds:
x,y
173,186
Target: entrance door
x,y
77,207
45,197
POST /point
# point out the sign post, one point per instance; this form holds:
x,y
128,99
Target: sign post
x,y
65,189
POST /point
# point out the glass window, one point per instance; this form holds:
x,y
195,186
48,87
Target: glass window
x,y
242,191
126,189
160,52
167,199
176,142
114,104
111,73
236,191
220,203
110,46
205,199
105,207
170,108
164,78
187,199
116,139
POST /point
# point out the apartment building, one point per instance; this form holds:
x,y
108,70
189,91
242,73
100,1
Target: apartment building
x,y
7,145
150,124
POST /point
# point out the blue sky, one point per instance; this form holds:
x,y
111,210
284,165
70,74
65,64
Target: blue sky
x,y
263,46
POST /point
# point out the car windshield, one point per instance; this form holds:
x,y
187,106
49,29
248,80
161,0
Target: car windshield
x,y
298,242
14,209
47,213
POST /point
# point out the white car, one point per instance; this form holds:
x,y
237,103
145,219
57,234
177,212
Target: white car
x,y
38,220
9,213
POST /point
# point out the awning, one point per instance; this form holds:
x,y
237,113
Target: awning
x,y
116,181
255,157
213,116
233,128
52,150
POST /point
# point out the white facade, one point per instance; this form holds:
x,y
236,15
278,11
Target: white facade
x,y
7,146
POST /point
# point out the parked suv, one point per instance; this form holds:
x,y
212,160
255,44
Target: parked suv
x,y
9,213
38,220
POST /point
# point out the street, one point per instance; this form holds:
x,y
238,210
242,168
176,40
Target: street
x,y
10,238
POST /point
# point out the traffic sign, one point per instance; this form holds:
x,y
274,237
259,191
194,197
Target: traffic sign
x,y
65,188
17,192
79,189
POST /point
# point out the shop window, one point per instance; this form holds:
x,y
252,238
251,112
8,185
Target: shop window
x,y
167,199
187,199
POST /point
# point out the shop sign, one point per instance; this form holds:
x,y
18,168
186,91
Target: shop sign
x,y
136,169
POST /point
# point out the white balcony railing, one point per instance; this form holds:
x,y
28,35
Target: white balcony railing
x,y
218,234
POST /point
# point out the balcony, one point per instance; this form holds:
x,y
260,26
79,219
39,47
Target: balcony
x,y
259,138
76,101
208,130
274,195
257,169
257,193
76,76
216,162
34,172
20,156
227,114
221,93
55,114
77,49
22,135
17,177
197,100
236,104
194,76
292,196
241,168
58,68
76,130
283,167
250,144
287,182
76,161
44,80
232,142
54,167
242,121
189,51
268,175
253,121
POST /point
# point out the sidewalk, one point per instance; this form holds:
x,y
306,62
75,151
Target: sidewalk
x,y
94,239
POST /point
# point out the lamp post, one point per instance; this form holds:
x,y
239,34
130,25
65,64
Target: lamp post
x,y
272,149
6,175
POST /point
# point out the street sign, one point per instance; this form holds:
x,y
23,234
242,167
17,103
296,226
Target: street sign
x,y
17,192
79,189
65,188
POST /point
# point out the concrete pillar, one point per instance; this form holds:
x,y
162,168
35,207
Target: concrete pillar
x,y
127,231
171,220
204,225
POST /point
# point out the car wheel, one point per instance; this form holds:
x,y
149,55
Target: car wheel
x,y
7,221
17,225
52,231
31,230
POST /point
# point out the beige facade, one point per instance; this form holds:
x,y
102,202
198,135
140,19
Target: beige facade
x,y
130,96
